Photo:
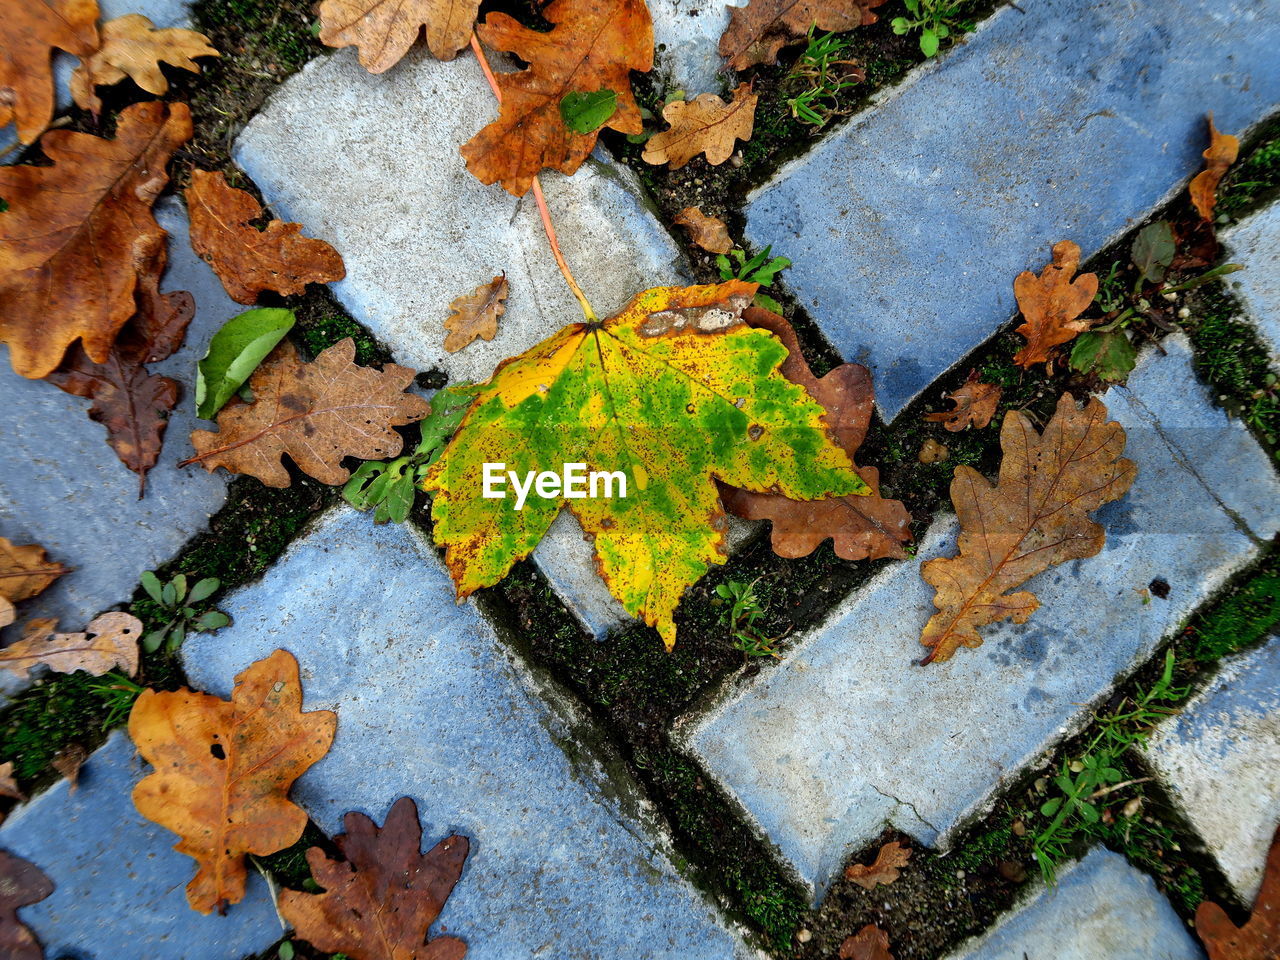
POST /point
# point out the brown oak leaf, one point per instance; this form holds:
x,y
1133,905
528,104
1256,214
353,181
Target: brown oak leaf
x,y
223,771
78,235
132,47
861,527
24,572
710,233
706,125
1051,302
246,260
383,32
317,413
476,314
1036,516
757,31
109,642
8,785
893,856
593,45
1220,154
1259,938
380,901
869,943
30,32
973,405
21,884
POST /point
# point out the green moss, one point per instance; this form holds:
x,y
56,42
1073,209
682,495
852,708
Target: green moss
x,y
1245,615
44,719
1256,178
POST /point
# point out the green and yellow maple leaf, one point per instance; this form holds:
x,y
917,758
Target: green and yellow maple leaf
x,y
675,392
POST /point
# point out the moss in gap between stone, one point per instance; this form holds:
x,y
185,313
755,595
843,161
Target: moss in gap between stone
x,y
1245,615
1254,180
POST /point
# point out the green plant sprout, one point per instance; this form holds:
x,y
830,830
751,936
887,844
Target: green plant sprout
x,y
935,19
759,269
827,74
180,607
741,617
118,693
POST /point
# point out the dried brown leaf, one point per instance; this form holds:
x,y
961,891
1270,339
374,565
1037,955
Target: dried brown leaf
x,y
931,451
248,261
8,785
68,762
890,860
476,314
593,45
223,771
132,47
710,233
78,236
383,867
706,125
869,943
317,413
30,32
24,572
383,32
1259,938
110,641
973,405
1036,516
1051,302
1218,156
21,884
757,31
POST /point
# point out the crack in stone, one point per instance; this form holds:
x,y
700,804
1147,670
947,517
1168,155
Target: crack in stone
x,y
907,803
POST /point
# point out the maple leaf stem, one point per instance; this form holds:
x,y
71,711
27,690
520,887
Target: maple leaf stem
x,y
543,212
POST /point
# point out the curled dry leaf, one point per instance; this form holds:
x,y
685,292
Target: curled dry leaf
x,y
710,233
1259,938
706,125
8,785
78,236
1036,516
133,47
761,28
21,884
1220,154
476,314
1051,302
593,45
931,451
383,32
28,36
223,771
24,572
893,856
973,405
246,260
317,413
380,901
109,642
861,527
869,943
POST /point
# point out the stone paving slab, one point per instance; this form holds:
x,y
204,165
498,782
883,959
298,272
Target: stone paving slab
x,y
1057,119
566,859
61,486
119,886
1255,242
686,34
834,756
1220,758
1101,909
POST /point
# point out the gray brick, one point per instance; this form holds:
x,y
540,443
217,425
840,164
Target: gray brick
x,y
687,36
1255,243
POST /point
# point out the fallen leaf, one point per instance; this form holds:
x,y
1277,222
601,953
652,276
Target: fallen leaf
x,y
1036,516
672,392
1218,156
1051,302
235,351
1108,353
1259,938
380,901
710,233
247,260
68,762
973,405
931,451
79,235
383,32
593,45
24,572
110,641
861,527
32,29
21,884
759,30
886,868
8,785
869,943
132,47
587,112
223,771
476,314
1153,250
317,413
706,125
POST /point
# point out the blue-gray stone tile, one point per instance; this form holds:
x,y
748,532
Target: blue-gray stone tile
x,y
834,756
566,860
1255,243
686,35
1056,119
1101,909
1220,758
119,886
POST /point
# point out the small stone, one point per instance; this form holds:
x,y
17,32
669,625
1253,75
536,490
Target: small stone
x,y
1013,871
1019,828
804,935
959,874
1076,766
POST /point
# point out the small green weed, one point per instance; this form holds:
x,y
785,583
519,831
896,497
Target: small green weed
x,y
758,269
935,19
741,618
118,693
827,75
179,606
